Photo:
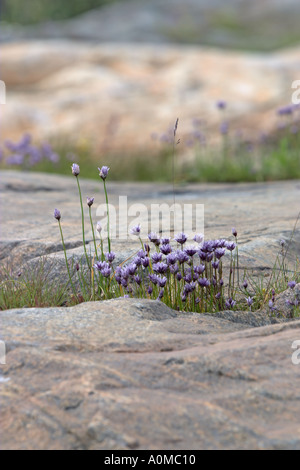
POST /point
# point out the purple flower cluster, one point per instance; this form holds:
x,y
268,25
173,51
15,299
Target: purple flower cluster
x,y
187,266
24,153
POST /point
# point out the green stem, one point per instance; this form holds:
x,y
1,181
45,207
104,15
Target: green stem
x,y
95,245
66,259
82,224
107,208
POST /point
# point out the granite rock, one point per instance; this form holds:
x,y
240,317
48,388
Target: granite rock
x,y
127,374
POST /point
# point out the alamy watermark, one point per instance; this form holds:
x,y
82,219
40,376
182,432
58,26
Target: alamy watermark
x,y
166,219
2,92
296,94
296,354
2,353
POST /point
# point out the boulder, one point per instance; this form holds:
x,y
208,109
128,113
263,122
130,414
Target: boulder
x,y
120,97
132,374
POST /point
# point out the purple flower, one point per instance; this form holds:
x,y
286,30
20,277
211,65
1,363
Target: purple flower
x,y
173,268
136,230
230,246
90,201
181,238
75,169
219,252
100,265
230,303
221,104
191,250
203,282
106,272
131,269
166,249
156,257
160,268
224,127
153,278
57,214
15,159
162,281
199,269
145,262
249,301
218,295
103,172
178,276
189,287
215,264
208,246
245,284
142,254
98,227
285,110
182,256
171,258
221,243
147,248
154,238
165,241
199,238
137,260
137,280
149,290
110,256
160,295
292,284
234,232
188,277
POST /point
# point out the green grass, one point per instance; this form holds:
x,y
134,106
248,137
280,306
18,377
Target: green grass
x,y
277,159
13,11
31,286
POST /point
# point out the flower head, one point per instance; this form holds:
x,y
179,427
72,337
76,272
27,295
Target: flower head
x,y
103,172
221,104
154,238
99,227
181,238
191,250
136,230
75,169
234,232
110,256
90,201
166,249
57,214
198,238
230,246
292,284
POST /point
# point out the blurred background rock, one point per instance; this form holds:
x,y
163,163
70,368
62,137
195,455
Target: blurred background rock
x,y
106,80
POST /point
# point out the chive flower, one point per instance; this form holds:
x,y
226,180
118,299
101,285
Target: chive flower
x,y
57,214
103,172
90,201
75,169
136,230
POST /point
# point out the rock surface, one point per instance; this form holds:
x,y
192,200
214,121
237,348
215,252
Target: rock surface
x,y
257,24
133,374
127,374
118,97
263,213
